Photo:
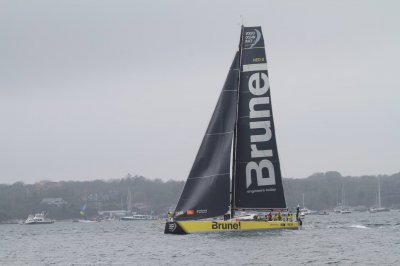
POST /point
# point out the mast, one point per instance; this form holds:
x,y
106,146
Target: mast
x,y
343,203
129,201
235,131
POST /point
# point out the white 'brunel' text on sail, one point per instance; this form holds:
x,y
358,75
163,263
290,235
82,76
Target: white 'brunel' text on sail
x,y
259,86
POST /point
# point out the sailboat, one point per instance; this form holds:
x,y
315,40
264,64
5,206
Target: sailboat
x,y
237,167
344,209
304,211
379,207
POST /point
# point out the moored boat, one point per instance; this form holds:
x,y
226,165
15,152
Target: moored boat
x,y
237,166
38,218
137,217
345,211
379,207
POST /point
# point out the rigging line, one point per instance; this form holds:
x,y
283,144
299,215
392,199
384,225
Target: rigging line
x,y
207,176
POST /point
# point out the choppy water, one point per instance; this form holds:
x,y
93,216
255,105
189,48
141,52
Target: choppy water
x,y
353,239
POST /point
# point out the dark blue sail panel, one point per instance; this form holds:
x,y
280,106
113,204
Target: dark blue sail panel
x,y
207,189
257,175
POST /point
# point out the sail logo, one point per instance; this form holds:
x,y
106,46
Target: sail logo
x,y
190,212
251,38
172,227
203,211
260,120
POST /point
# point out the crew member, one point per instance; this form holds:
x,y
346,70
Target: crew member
x,y
298,213
170,216
290,217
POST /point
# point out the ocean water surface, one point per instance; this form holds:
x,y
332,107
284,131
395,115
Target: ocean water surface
x,y
334,239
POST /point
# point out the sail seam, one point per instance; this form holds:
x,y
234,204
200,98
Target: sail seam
x,y
258,47
209,134
207,176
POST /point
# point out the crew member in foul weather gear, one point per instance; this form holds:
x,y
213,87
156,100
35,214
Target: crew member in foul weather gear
x,y
297,213
170,215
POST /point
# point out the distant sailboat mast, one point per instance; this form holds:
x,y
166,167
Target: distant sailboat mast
x,y
379,193
343,202
129,201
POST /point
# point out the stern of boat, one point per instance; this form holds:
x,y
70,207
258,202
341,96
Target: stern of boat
x,y
174,228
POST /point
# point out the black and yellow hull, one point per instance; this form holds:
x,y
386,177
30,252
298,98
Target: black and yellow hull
x,y
189,227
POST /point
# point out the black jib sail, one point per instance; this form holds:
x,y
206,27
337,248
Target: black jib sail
x,y
206,192
257,175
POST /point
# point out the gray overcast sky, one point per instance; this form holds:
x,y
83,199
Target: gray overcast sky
x,y
99,89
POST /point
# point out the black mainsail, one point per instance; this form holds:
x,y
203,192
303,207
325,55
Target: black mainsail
x,y
206,192
243,116
257,176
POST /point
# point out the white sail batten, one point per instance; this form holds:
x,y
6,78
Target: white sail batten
x,y
255,67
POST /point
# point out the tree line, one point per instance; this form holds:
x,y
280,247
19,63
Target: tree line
x,y
321,191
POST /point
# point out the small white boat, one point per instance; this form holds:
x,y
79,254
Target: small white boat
x,y
379,209
305,211
323,212
345,211
337,209
136,217
38,218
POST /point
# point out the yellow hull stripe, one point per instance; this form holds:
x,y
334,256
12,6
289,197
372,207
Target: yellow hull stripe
x,y
212,226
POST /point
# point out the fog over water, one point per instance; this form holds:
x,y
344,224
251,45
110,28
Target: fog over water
x,y
99,89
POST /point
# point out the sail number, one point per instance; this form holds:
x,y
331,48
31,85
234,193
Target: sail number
x,y
258,59
258,87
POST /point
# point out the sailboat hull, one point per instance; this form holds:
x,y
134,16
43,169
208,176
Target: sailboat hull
x,y
190,227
